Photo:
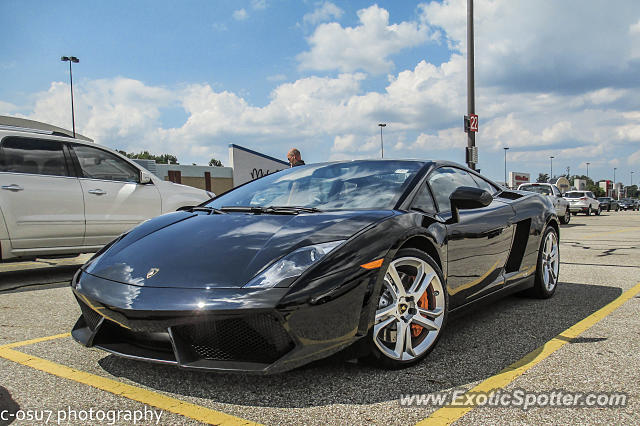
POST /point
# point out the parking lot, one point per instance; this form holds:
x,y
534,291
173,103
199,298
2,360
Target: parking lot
x,y
585,339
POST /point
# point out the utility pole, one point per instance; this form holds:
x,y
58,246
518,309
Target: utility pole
x,y
381,143
551,173
505,166
588,169
472,151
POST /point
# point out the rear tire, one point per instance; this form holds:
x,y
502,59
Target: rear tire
x,y
589,211
548,266
566,218
413,300
598,211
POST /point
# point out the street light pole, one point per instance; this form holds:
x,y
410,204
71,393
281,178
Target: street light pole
x,y
471,101
588,169
614,182
381,143
71,59
505,166
551,173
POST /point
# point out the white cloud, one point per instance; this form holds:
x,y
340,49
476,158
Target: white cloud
x,y
277,77
240,15
258,4
545,44
7,108
322,13
366,47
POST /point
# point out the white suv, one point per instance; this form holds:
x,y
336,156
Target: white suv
x,y
582,201
60,195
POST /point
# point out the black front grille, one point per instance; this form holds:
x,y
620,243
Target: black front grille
x,y
91,317
256,338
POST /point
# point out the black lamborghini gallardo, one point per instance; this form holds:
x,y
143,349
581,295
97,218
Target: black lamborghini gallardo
x,y
306,262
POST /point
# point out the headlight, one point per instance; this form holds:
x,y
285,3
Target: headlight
x,y
290,267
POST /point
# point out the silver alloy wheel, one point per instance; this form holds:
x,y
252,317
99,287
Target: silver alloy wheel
x,y
399,314
550,261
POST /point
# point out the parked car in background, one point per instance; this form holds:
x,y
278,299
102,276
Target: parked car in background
x,y
582,202
560,204
628,204
60,195
608,204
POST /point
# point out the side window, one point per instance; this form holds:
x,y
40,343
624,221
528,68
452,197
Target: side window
x,y
444,181
33,156
423,201
483,184
98,164
556,192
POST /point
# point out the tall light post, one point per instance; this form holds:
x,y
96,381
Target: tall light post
x,y
505,166
551,173
471,101
381,143
614,182
71,59
588,169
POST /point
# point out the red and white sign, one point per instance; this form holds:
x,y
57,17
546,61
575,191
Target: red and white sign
x,y
473,122
517,178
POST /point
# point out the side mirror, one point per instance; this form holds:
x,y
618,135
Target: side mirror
x,y
144,177
467,197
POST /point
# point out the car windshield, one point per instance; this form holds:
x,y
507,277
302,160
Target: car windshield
x,y
603,199
574,194
540,189
333,186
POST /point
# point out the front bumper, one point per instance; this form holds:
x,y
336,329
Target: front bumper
x,y
244,330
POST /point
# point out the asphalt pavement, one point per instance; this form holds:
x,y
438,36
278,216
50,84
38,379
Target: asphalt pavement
x,y
585,339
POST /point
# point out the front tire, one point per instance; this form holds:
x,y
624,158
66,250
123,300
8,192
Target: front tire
x,y
548,266
411,311
598,211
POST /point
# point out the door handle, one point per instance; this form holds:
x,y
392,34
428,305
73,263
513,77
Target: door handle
x,y
97,191
13,187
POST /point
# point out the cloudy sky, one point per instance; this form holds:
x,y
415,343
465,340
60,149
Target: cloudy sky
x,y
553,78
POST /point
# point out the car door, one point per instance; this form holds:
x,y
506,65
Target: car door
x,y
558,202
479,243
114,199
40,197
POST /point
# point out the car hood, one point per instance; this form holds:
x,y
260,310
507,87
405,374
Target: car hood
x,y
201,250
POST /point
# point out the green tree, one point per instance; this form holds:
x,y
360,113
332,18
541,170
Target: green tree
x,y
543,178
214,162
146,155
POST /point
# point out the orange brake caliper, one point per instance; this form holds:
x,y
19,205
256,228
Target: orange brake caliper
x,y
423,302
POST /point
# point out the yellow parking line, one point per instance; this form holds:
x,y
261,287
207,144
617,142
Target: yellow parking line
x,y
599,234
163,402
449,414
32,341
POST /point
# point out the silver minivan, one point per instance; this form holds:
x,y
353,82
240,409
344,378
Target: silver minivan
x,y
60,195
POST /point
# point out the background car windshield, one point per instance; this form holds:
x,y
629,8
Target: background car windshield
x,y
540,189
337,186
574,194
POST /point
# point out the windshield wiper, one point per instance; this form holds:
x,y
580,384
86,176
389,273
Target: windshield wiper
x,y
206,209
298,209
270,209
